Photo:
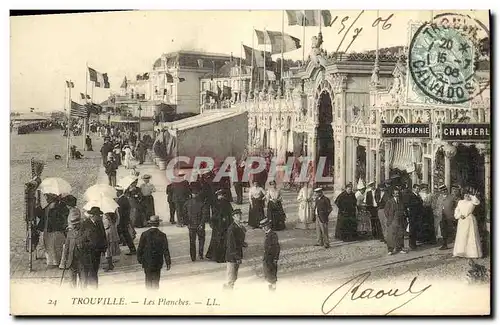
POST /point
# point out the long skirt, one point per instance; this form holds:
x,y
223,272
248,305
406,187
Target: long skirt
x,y
217,248
256,213
113,239
467,240
426,232
53,244
136,214
276,215
148,204
346,228
363,217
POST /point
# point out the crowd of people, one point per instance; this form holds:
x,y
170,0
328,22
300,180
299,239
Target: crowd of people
x,y
392,211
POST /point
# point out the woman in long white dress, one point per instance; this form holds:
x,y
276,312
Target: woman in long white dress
x,y
127,161
305,203
467,240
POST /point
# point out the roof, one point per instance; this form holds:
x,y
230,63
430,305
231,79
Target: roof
x,y
201,119
189,59
29,117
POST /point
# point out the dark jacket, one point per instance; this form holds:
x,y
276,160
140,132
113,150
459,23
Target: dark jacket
x,y
235,240
77,248
346,202
196,211
97,234
414,204
370,199
57,217
180,191
170,193
381,198
222,215
323,207
111,167
106,147
153,251
271,247
123,211
395,212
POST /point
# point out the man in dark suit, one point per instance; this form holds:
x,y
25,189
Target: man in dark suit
x,y
322,209
98,242
234,248
382,195
371,206
271,254
197,213
124,223
153,252
414,206
180,194
171,205
395,215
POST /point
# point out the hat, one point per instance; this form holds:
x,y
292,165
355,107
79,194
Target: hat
x,y
361,185
181,172
95,211
117,145
273,182
424,186
371,183
318,189
442,187
154,221
264,222
220,192
146,176
70,200
236,211
348,185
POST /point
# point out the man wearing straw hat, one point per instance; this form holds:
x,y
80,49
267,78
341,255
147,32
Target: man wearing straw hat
x,y
271,254
234,249
77,253
180,194
153,252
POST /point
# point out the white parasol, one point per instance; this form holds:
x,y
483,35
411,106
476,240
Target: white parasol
x,y
126,181
55,185
98,190
106,204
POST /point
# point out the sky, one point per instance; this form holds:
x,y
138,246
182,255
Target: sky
x,y
48,50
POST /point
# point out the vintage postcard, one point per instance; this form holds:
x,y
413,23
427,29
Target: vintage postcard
x,y
286,162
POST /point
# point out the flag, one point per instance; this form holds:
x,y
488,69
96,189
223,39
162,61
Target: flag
x,y
88,97
258,56
70,84
181,79
145,76
309,17
100,79
124,83
32,109
82,95
77,110
276,39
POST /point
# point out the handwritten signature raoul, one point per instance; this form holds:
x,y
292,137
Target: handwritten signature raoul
x,y
333,301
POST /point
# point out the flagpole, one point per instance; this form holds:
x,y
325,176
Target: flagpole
x,y
68,126
265,48
320,19
253,50
241,83
303,38
85,120
282,49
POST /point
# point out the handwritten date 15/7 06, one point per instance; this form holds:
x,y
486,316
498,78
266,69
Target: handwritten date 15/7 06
x,y
332,300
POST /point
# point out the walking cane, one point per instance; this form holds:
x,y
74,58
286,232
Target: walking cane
x,y
62,277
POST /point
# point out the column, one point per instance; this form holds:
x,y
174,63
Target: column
x,y
378,162
487,181
352,163
368,163
343,170
387,147
314,150
425,173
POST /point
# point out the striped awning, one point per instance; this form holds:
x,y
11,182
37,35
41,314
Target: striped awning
x,y
402,155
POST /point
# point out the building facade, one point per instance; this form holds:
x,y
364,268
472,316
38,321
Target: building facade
x,y
335,107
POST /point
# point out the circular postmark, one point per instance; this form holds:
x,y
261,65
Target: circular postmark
x,y
444,55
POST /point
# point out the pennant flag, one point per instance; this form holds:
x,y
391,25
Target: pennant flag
x,y
258,56
32,109
88,97
124,83
77,110
82,95
309,17
100,79
181,79
70,84
277,39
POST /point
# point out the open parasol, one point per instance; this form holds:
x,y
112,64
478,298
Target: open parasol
x,y
106,204
55,185
98,190
126,181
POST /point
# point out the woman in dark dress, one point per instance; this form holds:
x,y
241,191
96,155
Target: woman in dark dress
x,y
346,228
256,197
221,220
275,212
136,210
